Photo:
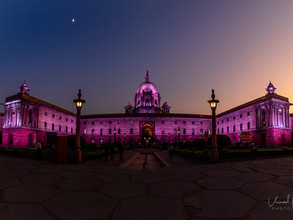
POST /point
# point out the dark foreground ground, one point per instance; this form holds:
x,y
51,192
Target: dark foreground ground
x,y
251,189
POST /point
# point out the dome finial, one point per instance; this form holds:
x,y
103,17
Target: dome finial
x,y
270,89
147,77
23,88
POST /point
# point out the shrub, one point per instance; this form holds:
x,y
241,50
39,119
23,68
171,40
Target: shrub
x,y
222,140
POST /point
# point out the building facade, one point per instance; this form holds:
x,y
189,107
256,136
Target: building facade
x,y
28,119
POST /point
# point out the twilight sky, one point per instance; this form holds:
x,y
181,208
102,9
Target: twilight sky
x,y
189,48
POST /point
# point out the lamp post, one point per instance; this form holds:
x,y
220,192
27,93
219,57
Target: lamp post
x,y
114,134
169,137
178,134
78,102
213,103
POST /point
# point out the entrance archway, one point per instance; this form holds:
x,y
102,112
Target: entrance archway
x,y
147,132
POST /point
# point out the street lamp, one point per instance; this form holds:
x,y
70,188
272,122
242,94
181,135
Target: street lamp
x,y
169,137
114,134
124,137
78,102
213,103
178,134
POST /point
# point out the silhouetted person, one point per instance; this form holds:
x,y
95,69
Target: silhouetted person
x,y
106,151
112,151
170,150
121,150
39,150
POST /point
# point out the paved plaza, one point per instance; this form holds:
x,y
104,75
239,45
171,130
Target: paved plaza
x,y
247,189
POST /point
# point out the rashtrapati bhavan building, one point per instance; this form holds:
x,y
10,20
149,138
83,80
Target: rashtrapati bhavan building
x,y
28,119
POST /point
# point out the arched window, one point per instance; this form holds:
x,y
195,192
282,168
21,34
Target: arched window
x,y
131,130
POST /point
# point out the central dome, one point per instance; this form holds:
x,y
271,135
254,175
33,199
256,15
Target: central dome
x,y
147,98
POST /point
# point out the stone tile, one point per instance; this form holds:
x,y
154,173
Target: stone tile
x,y
149,178
23,211
188,176
287,180
40,179
176,189
223,173
215,204
77,184
8,182
263,211
255,177
14,173
123,189
81,205
44,170
149,207
28,193
262,191
279,172
110,177
76,174
221,183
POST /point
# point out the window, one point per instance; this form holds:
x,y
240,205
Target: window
x,y
66,119
101,122
93,122
209,131
240,115
46,113
84,131
248,113
53,116
71,130
59,117
233,117
59,128
201,131
248,126
175,122
218,131
209,122
45,125
184,131
234,128
131,130
119,131
131,122
222,130
71,121
93,131
192,122
66,129
193,131
52,127
101,131
163,122
240,127
227,119
201,122
84,123
119,122
217,122
93,141
110,130
228,129
184,122
110,122
222,121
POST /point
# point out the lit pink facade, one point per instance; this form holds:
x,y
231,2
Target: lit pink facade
x,y
28,119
